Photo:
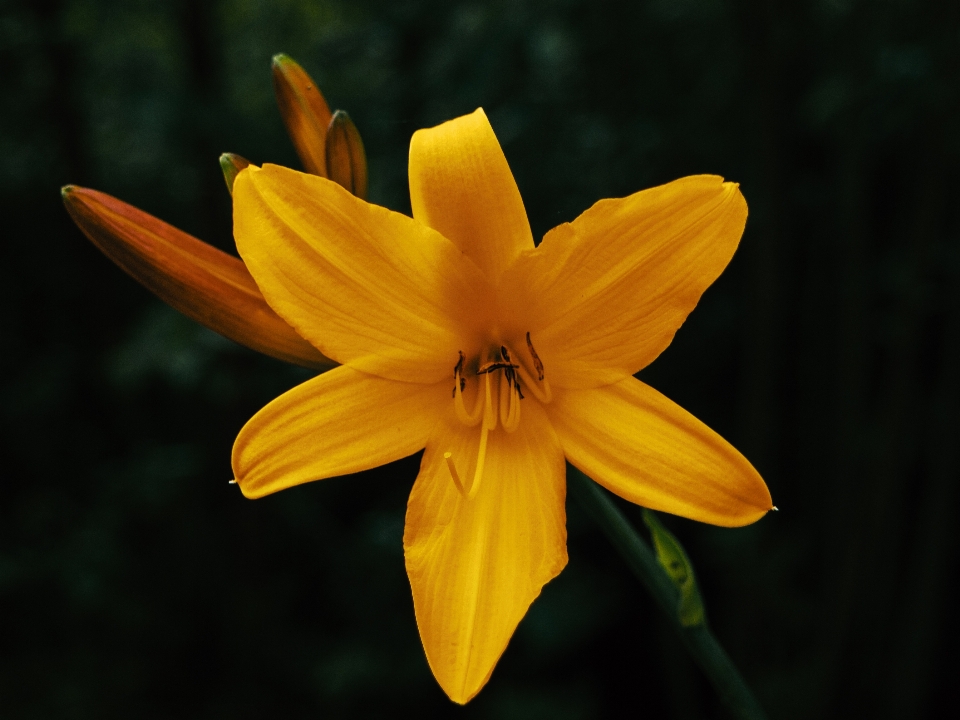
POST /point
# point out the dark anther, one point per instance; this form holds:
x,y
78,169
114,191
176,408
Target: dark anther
x,y
458,373
536,358
495,365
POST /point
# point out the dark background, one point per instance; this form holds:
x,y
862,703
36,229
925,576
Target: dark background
x,y
135,582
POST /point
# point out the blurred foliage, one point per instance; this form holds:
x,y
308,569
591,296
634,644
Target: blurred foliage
x,y
134,581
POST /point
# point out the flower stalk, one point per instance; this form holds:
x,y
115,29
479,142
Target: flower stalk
x,y
699,641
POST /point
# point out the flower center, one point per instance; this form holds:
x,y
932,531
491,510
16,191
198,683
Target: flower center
x,y
498,377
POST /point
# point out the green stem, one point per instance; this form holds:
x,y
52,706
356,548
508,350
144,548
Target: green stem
x,y
703,646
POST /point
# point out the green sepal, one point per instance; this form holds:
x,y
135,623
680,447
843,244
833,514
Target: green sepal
x,y
675,561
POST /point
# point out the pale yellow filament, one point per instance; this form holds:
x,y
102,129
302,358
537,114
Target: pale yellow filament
x,y
489,413
481,459
453,471
505,390
509,404
541,390
513,417
489,423
468,419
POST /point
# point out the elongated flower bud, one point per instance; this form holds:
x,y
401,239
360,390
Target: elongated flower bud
x,y
304,111
202,282
346,160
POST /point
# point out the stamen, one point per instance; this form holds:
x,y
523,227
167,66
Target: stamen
x,y
481,459
489,423
489,412
489,367
472,418
453,472
458,374
541,393
513,416
506,388
537,364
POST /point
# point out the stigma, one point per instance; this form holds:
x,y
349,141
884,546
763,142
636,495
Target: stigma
x,y
497,403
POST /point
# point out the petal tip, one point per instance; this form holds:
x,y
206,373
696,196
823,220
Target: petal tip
x,y
752,511
247,492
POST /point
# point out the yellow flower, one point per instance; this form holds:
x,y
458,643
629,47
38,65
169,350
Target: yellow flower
x,y
456,334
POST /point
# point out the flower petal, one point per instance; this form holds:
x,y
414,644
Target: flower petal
x,y
603,296
461,186
203,283
650,451
476,565
370,287
337,423
305,112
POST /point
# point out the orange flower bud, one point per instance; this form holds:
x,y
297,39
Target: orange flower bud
x,y
304,112
202,282
346,160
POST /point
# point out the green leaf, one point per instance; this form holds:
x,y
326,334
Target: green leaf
x,y
675,561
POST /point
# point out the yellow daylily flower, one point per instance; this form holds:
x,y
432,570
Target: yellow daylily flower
x,y
456,334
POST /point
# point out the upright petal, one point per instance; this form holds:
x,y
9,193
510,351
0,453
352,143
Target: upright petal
x,y
650,451
461,186
337,423
476,565
202,282
370,287
603,296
